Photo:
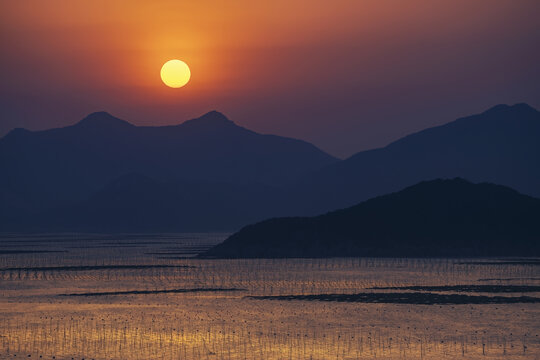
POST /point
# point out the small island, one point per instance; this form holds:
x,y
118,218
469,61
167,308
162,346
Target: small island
x,y
438,218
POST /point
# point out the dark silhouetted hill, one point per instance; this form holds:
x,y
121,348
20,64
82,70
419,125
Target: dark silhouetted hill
x,y
430,219
500,145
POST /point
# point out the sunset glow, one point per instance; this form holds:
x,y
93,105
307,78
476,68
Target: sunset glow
x,y
318,71
347,179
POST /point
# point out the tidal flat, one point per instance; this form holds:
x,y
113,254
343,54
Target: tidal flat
x,y
121,297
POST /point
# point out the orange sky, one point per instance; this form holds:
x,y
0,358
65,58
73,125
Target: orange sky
x,y
345,75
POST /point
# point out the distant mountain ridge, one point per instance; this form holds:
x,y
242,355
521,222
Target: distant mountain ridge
x,y
63,166
499,146
211,174
433,218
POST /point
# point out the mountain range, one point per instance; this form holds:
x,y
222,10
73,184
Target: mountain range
x,y
500,145
104,174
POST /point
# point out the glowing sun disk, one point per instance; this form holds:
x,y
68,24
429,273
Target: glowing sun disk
x,y
175,73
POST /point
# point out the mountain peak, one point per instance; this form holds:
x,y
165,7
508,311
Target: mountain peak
x,y
215,115
210,119
102,119
520,107
16,133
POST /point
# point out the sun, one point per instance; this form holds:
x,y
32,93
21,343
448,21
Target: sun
x,y
175,73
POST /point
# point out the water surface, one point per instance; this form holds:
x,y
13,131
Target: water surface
x,y
145,297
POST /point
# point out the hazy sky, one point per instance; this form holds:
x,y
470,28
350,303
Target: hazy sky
x,y
344,75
